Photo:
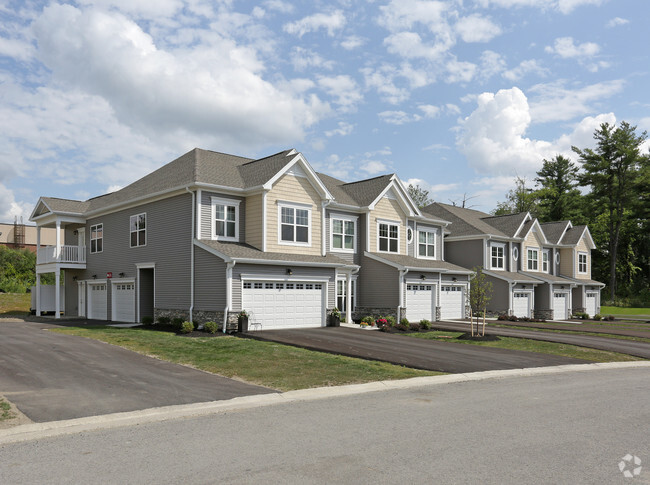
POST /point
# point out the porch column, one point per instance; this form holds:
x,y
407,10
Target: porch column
x,y
58,240
38,294
57,290
348,298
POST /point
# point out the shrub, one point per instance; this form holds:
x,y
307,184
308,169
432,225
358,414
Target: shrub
x,y
415,327
368,319
147,321
392,321
425,324
404,321
210,327
502,316
597,317
512,318
609,318
381,323
186,327
164,320
177,323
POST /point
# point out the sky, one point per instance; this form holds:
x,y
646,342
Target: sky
x,y
457,96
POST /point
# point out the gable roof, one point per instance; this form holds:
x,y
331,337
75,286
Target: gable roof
x,y
573,235
555,230
508,224
464,222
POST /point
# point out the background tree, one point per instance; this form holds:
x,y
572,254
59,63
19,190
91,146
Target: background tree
x,y
559,199
615,172
419,196
480,294
520,199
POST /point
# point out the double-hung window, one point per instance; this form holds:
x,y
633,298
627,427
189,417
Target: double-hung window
x,y
582,263
97,238
225,219
546,256
343,233
497,256
533,255
388,237
295,225
427,244
138,229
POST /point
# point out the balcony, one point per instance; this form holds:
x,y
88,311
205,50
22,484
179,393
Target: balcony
x,y
74,255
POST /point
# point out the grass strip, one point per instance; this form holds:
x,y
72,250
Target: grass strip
x,y
269,364
617,310
5,410
553,348
576,332
14,304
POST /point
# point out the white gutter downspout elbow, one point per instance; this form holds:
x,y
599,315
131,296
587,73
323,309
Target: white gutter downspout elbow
x,y
229,267
402,274
192,253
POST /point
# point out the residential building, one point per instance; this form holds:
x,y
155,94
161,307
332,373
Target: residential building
x,y
21,236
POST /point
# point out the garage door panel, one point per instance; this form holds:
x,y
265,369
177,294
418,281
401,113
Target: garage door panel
x,y
590,305
452,302
98,301
123,302
420,302
560,305
521,304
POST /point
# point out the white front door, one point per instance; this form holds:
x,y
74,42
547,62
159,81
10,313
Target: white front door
x,y
521,304
452,303
285,305
97,307
560,306
123,302
590,305
420,302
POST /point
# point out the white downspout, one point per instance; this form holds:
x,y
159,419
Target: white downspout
x,y
229,267
192,252
402,274
264,220
511,287
38,275
323,232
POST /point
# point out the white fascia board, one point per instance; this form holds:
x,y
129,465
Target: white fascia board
x,y
537,225
431,220
312,177
403,201
566,228
589,238
40,201
414,268
353,208
210,249
274,262
496,274
163,194
52,218
226,189
407,197
526,219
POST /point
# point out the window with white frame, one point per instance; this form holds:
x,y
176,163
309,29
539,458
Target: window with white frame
x,y
341,294
546,257
343,231
225,219
533,255
388,237
582,263
295,225
97,238
427,243
497,256
138,230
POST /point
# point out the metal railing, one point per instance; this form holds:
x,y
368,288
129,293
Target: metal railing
x,y
67,254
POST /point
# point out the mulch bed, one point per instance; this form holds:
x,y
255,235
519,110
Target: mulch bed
x,y
485,338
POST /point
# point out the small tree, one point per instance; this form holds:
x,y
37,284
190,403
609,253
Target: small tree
x,y
419,196
480,294
520,199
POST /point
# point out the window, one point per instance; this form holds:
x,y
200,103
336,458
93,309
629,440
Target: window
x,y
388,237
294,225
533,254
497,256
138,230
343,232
225,219
341,295
582,263
546,257
97,238
409,235
427,244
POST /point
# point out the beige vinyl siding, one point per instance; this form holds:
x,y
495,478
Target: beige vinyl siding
x,y
532,241
254,222
299,190
566,262
389,210
582,247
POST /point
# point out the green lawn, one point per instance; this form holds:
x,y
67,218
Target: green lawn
x,y
268,364
5,410
616,310
15,304
533,346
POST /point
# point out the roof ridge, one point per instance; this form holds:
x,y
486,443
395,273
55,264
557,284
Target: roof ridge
x,y
264,158
368,180
491,216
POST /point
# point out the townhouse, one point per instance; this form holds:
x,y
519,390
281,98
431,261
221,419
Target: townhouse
x,y
537,270
209,235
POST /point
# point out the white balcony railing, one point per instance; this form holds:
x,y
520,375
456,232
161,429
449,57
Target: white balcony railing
x,y
67,254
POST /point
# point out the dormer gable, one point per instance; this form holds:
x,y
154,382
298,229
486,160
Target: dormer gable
x,y
395,190
298,166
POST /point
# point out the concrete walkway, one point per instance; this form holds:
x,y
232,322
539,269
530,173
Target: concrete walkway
x,y
409,351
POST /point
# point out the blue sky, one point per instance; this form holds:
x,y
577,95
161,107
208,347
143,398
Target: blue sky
x,y
457,96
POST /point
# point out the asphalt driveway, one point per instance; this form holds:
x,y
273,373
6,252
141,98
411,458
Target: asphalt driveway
x,y
51,377
411,352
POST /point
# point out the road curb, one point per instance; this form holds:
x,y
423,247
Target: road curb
x,y
36,431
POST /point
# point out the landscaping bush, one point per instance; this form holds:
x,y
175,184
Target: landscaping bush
x,y
147,321
609,318
512,318
164,320
598,317
414,327
368,319
211,327
425,324
403,325
177,323
580,315
392,321
502,316
381,323
186,327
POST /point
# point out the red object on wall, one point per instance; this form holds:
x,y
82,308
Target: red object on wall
x,y
109,274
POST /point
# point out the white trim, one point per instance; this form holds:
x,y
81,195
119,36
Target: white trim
x,y
264,218
81,290
345,218
427,230
90,239
529,260
311,175
586,255
389,223
497,245
283,278
295,206
547,253
137,231
138,267
119,281
199,211
526,218
214,201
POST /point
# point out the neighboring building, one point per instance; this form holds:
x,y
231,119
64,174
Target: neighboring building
x,y
211,234
540,270
22,236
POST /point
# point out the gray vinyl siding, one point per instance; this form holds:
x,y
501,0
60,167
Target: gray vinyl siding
x,y
541,297
378,285
209,281
359,242
281,271
169,232
576,298
516,265
500,301
467,254
206,214
71,289
410,248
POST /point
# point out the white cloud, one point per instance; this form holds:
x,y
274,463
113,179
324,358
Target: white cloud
x,y
343,129
460,71
617,21
18,49
492,63
352,42
435,190
11,208
397,117
401,15
410,45
385,80
476,28
566,49
530,66
139,8
343,89
279,6
373,167
582,135
429,110
303,59
564,6
312,23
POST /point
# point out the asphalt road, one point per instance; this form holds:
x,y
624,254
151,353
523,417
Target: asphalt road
x,y
411,352
631,347
51,377
562,428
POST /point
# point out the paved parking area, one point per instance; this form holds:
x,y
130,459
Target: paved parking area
x,y
411,352
51,377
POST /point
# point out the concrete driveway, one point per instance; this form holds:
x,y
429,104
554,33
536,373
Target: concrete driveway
x,y
409,351
51,377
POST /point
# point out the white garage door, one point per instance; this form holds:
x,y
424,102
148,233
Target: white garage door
x,y
590,306
521,304
285,305
452,303
420,302
97,300
124,302
559,306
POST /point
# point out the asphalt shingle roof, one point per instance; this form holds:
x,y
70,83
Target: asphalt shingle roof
x,y
464,222
66,205
508,224
572,236
548,277
554,230
411,262
511,276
